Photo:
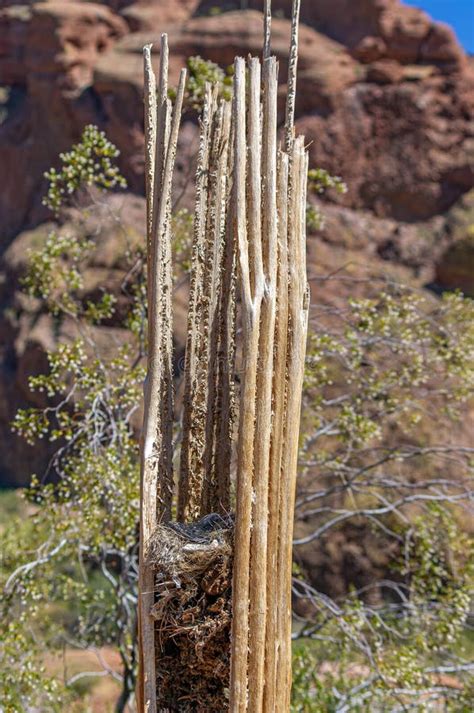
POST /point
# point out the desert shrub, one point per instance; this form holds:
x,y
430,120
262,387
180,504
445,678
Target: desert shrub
x,y
386,467
72,582
319,182
407,654
200,73
88,163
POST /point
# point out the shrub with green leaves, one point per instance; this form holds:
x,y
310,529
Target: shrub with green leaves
x,y
70,570
201,72
385,452
319,182
89,163
408,654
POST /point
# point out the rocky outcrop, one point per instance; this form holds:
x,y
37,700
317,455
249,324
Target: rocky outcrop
x,y
422,134
56,43
375,29
146,15
55,47
386,82
455,270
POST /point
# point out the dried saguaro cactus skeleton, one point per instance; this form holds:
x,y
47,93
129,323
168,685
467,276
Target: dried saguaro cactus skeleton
x,y
215,584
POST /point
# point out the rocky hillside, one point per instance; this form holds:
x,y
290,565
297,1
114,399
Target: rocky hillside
x,y
386,99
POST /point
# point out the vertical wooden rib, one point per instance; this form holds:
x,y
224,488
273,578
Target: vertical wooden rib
x,y
267,29
163,110
270,704
250,324
157,442
204,387
215,494
147,480
204,380
167,387
156,478
150,139
258,571
162,328
191,471
226,356
210,324
298,321
292,76
155,128
254,168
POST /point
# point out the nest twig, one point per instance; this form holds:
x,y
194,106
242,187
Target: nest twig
x,y
192,565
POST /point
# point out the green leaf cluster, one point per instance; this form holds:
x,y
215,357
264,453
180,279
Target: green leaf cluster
x,y
202,72
88,163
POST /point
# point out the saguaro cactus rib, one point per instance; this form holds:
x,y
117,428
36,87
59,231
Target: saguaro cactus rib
x,y
297,333
249,237
250,322
269,238
190,470
225,399
292,72
156,478
273,637
215,497
208,325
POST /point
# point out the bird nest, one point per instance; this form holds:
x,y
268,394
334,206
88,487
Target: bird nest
x,y
193,580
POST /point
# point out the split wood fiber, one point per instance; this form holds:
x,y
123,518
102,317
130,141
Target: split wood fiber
x,y
204,478
238,448
161,125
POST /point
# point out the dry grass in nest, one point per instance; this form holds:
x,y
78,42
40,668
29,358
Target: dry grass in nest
x,y
193,566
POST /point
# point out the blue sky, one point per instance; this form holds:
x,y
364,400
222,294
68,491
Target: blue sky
x,y
457,13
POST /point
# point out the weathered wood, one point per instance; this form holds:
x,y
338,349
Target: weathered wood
x,y
163,108
159,156
191,470
250,326
146,691
216,491
298,302
254,181
249,238
149,97
270,704
156,481
267,29
161,333
263,419
292,76
209,321
226,402
208,325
